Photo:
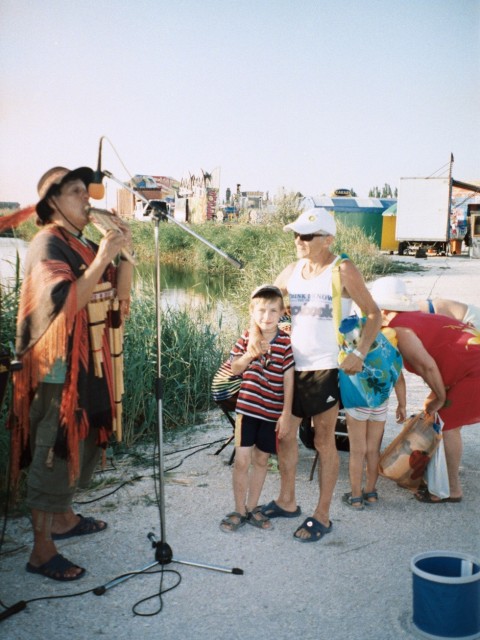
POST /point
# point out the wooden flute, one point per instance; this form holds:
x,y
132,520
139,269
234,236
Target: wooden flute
x,y
103,220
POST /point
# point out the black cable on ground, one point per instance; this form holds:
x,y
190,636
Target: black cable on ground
x,y
158,595
198,447
21,605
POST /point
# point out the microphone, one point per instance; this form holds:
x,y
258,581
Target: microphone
x,y
96,190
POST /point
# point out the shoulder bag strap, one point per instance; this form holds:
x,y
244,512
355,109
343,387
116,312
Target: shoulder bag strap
x,y
337,295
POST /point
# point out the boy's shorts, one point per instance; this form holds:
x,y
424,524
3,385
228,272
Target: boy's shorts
x,y
251,431
315,392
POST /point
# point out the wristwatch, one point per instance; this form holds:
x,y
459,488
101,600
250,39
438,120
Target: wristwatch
x,y
359,354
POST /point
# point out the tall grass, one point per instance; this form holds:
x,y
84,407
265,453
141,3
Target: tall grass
x,y
194,340
193,345
191,350
8,313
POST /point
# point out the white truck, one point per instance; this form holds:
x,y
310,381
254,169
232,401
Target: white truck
x,y
428,218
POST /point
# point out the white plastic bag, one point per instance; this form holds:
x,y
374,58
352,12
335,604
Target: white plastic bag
x,y
436,474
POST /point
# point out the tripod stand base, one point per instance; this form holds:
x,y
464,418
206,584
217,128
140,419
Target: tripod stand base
x,y
163,553
163,556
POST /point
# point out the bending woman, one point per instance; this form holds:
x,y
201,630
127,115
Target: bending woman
x,y
446,354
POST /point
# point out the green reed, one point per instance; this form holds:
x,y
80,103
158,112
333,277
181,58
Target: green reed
x,y
8,314
192,347
194,341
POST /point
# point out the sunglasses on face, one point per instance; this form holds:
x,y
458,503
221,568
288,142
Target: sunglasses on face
x,y
308,237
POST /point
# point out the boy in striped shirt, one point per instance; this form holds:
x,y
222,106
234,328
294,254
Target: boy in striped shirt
x,y
264,405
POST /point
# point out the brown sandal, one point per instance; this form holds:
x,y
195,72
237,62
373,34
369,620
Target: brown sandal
x,y
232,522
258,519
428,498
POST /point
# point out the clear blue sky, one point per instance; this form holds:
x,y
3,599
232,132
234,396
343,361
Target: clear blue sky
x,y
309,95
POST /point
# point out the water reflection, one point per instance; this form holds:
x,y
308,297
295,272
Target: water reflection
x,y
181,287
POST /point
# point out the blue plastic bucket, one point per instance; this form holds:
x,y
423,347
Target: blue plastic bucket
x,y
446,595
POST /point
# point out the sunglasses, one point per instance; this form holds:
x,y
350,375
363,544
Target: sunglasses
x,y
308,237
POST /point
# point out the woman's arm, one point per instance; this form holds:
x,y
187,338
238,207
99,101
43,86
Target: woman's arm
x,y
413,351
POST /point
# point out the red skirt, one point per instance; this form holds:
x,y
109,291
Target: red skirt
x,y
463,404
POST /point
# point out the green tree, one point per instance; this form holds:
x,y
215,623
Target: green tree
x,y
386,191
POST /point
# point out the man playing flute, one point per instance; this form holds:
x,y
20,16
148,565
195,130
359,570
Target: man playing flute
x,y
63,413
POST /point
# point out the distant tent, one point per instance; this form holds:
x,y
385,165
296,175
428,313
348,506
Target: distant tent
x,y
364,213
364,205
391,211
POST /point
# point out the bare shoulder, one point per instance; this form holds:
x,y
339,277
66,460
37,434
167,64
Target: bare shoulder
x,y
350,275
283,277
450,308
347,267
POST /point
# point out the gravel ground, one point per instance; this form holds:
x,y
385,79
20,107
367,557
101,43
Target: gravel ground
x,y
355,583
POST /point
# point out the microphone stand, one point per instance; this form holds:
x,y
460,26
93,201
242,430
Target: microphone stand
x,y
161,211
163,551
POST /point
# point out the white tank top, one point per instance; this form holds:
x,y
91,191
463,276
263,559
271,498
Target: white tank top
x,y
314,340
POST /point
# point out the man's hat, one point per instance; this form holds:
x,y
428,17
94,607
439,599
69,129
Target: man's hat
x,y
313,221
54,178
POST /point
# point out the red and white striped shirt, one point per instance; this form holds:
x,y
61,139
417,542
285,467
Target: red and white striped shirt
x,y
261,393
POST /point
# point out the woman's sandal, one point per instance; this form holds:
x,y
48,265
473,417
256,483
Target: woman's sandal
x,y
370,498
428,498
257,519
352,502
232,522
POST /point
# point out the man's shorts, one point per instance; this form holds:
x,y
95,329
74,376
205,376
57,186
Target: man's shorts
x,y
378,414
48,484
251,431
315,392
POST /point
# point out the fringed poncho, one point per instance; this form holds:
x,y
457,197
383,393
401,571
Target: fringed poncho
x,y
49,328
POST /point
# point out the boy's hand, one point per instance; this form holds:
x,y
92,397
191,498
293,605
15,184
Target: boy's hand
x,y
283,425
258,348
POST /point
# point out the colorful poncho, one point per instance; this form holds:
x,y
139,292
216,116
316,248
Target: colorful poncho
x,y
49,328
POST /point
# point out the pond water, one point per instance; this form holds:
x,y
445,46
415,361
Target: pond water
x,y
181,287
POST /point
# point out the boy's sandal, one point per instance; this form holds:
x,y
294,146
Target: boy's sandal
x,y
232,522
352,502
257,519
370,498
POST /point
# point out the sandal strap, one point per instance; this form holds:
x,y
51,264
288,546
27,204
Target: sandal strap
x,y
236,514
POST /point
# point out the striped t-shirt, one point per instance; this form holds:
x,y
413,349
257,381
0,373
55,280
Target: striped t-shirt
x,y
261,392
